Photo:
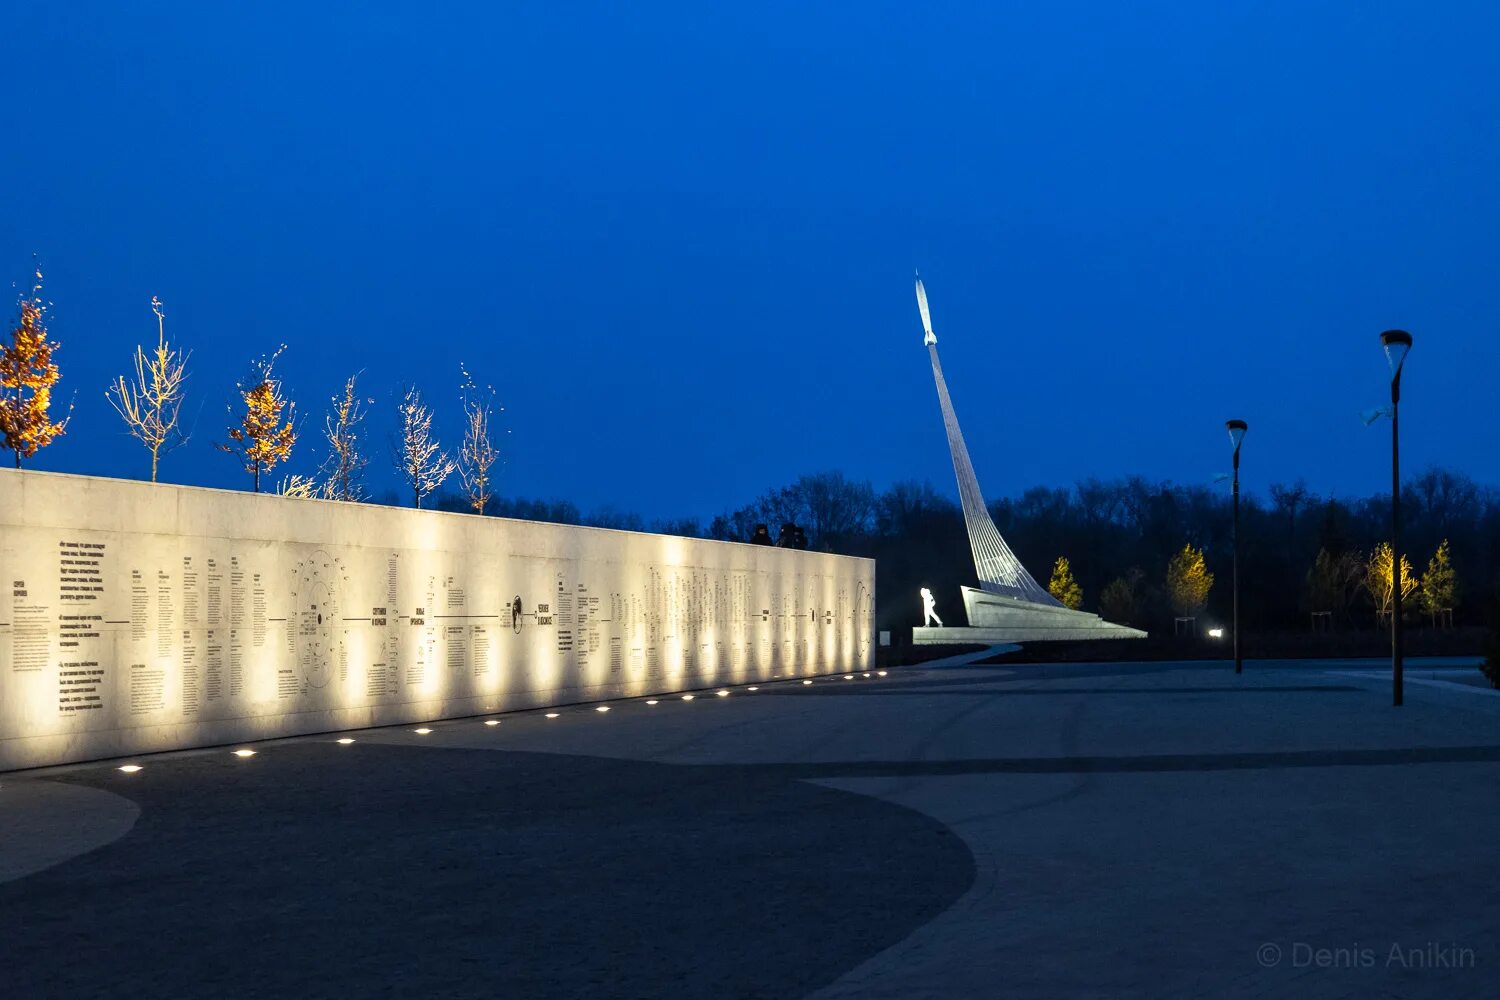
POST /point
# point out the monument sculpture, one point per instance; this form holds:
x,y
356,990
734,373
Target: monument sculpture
x,y
1008,605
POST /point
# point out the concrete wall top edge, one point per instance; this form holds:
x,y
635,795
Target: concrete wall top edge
x,y
16,512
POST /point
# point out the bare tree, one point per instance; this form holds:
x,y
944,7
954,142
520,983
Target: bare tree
x,y
300,487
478,453
150,401
422,462
343,470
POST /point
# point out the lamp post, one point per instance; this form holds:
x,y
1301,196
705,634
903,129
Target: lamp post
x,y
1237,429
1396,344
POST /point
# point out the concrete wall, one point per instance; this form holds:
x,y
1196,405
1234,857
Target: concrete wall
x,y
138,617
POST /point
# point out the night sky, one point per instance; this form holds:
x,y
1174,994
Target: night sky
x,y
680,241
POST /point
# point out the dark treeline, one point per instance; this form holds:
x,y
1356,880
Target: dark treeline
x,y
1125,529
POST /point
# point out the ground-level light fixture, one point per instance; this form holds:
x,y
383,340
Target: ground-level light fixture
x,y
551,715
807,682
722,694
244,753
687,697
752,687
1216,633
345,741
492,722
651,701
880,673
601,708
130,768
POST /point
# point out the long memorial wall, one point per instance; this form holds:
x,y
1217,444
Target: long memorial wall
x,y
139,617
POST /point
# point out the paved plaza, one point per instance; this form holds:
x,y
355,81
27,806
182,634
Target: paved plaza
x,y
943,831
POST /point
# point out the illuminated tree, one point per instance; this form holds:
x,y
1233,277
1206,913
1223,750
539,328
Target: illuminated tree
x,y
1188,582
1439,583
421,461
150,401
478,453
261,438
343,470
1379,579
1063,586
27,375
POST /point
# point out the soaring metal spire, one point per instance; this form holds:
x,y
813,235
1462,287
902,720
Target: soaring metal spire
x,y
1000,572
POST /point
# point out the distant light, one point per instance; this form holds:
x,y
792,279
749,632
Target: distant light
x,y
346,741
651,701
423,731
551,715
687,697
244,753
602,708
752,687
130,768
492,722
722,694
1217,633
807,682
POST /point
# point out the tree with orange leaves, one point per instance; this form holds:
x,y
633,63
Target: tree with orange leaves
x,y
27,376
261,438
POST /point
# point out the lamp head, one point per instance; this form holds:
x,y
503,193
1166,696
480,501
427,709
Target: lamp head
x,y
1236,429
1396,344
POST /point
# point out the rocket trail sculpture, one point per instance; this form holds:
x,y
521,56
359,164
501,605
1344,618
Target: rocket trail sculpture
x,y
1000,572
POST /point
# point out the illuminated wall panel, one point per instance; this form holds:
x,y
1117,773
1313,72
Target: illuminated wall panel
x,y
137,617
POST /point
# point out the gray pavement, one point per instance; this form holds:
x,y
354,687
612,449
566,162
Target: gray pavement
x,y
1081,830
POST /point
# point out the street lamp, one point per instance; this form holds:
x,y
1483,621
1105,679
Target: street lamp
x,y
1396,344
1237,429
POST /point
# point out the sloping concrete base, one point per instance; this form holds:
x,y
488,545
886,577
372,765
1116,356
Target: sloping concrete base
x,y
995,619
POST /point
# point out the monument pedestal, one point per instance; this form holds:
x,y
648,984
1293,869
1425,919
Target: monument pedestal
x,y
996,619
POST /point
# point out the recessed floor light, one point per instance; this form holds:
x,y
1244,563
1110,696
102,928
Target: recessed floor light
x,y
244,753
752,688
687,697
130,768
867,675
807,682
346,741
551,715
722,694
422,732
848,677
651,701
492,722
880,673
602,708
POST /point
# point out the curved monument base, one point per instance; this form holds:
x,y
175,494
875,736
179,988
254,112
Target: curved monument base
x,y
996,619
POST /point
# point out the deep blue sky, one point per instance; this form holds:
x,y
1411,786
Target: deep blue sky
x,y
679,239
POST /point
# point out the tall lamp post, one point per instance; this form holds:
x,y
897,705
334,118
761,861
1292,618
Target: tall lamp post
x,y
1396,344
1237,429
